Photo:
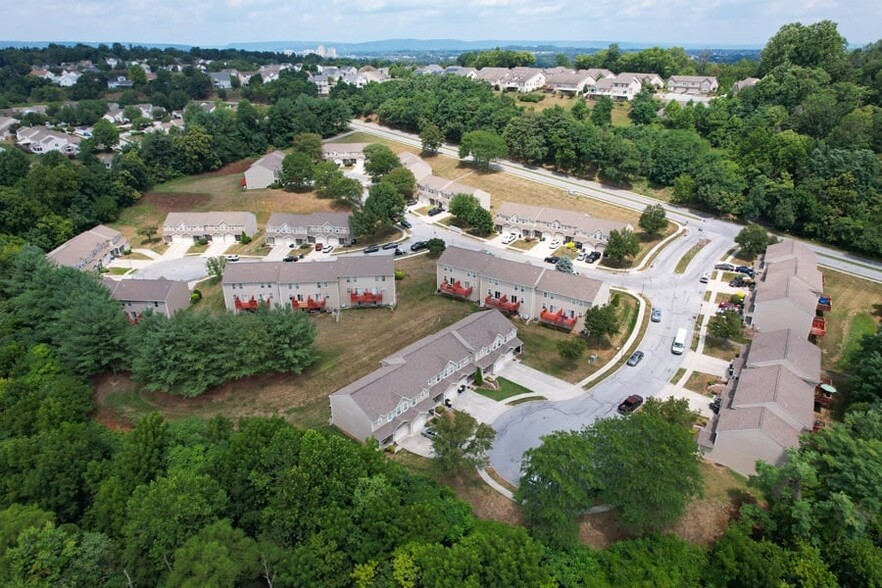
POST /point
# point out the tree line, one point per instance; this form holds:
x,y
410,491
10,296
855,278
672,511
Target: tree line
x,y
797,151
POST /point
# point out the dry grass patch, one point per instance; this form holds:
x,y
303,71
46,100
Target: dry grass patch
x,y
347,350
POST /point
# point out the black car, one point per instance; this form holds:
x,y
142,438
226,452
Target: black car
x,y
435,211
405,223
390,245
291,258
630,404
371,249
635,358
418,246
552,259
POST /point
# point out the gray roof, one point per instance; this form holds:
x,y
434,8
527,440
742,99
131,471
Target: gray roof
x,y
572,218
271,161
778,389
208,218
315,271
769,347
405,373
547,280
90,244
142,290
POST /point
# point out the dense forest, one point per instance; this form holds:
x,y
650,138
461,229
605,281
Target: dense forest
x,y
798,151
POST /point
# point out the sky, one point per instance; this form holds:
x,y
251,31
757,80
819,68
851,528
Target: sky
x,y
710,23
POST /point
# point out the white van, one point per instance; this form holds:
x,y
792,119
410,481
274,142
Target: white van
x,y
679,342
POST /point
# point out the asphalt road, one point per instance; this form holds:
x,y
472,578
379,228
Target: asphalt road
x,y
827,257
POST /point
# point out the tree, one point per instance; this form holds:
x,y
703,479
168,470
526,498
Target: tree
x,y
215,266
571,348
105,134
484,147
309,144
432,138
436,247
621,245
565,265
379,161
296,173
148,232
601,322
753,240
601,114
654,219
460,441
725,325
403,180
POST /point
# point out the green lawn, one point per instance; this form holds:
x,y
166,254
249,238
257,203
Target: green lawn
x,y
506,389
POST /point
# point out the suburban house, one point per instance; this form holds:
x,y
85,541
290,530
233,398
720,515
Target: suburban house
x,y
397,400
41,140
342,282
568,81
466,72
693,84
90,250
523,80
344,153
745,83
789,291
264,172
536,293
554,223
226,227
159,296
762,414
294,230
435,191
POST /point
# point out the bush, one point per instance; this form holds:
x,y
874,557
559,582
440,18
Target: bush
x,y
195,296
399,275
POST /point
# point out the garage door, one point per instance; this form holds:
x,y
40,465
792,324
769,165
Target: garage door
x,y
401,432
418,423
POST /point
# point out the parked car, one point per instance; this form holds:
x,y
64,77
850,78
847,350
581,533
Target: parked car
x,y
552,259
291,258
418,246
371,249
232,258
435,211
745,269
705,278
405,223
656,315
635,358
630,404
726,267
593,256
319,246
390,245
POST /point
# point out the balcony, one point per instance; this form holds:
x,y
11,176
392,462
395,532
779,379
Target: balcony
x,y
455,289
309,304
825,303
250,305
819,327
502,304
557,319
366,298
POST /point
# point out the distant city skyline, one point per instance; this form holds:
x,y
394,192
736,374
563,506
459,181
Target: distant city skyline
x,y
710,23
